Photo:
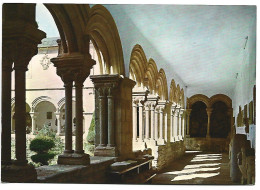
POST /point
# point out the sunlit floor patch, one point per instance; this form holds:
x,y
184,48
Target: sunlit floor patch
x,y
208,155
201,165
191,176
206,159
192,151
189,171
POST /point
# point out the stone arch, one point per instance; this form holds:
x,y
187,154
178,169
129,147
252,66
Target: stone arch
x,y
102,30
70,20
161,85
172,91
42,99
177,94
222,98
151,75
196,98
182,102
138,65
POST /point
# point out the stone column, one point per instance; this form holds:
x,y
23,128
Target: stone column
x,y
165,125
180,124
6,108
147,120
57,114
209,111
111,116
33,116
176,113
152,121
68,116
161,123
156,123
135,120
171,127
20,68
79,117
183,125
102,116
188,111
12,123
141,121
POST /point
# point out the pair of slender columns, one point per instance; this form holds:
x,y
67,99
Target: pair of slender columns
x,y
161,116
135,124
141,121
147,121
68,117
106,107
57,114
175,125
33,116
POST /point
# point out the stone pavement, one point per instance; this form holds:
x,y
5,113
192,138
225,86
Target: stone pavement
x,y
197,167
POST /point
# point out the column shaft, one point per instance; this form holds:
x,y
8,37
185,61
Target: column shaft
x,y
58,123
20,116
165,127
102,119
152,122
161,124
141,122
156,125
68,117
134,121
175,127
147,122
79,119
6,113
111,117
188,124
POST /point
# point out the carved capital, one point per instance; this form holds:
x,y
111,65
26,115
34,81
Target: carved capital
x,y
209,111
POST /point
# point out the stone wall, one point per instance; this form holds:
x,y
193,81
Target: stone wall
x,y
208,144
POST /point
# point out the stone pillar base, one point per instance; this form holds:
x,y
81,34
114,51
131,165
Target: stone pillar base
x,y
139,145
180,138
187,136
160,142
74,159
18,174
207,136
176,138
106,151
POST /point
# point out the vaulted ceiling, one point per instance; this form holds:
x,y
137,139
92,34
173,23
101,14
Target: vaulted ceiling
x,y
201,47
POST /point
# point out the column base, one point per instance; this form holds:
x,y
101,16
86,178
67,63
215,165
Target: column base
x,y
180,138
176,138
18,174
160,141
187,136
106,151
73,159
207,136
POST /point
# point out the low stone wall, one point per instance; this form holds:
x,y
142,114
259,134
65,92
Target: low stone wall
x,y
169,152
95,173
208,144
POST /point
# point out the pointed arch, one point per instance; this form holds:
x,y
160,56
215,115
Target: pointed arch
x,y
138,64
161,85
102,29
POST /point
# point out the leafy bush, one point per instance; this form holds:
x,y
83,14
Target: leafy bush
x,y
46,131
89,146
41,145
91,131
43,157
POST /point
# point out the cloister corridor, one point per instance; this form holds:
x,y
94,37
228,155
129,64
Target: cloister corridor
x,y
197,167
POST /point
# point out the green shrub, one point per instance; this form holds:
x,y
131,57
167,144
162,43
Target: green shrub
x,y
46,131
91,131
42,157
41,145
